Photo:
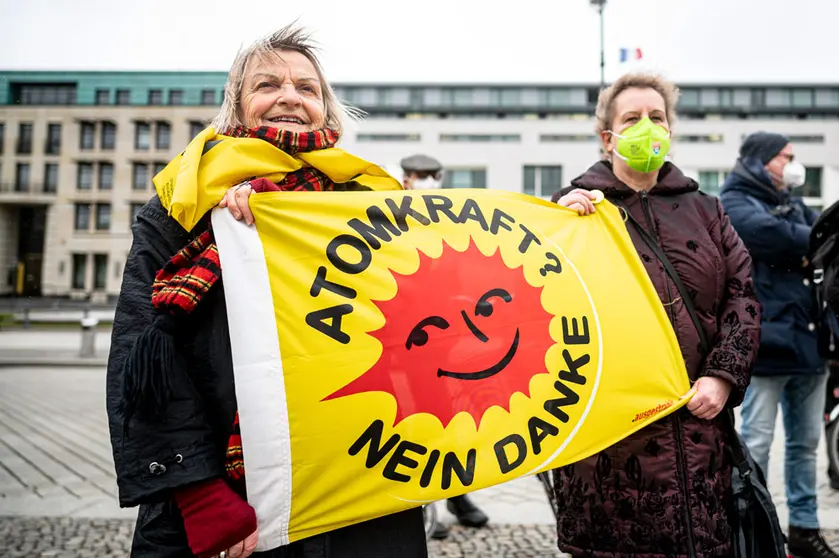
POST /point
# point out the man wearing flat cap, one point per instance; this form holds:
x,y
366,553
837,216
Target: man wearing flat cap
x,y
421,172
775,227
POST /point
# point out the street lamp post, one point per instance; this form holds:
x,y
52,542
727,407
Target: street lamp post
x,y
600,4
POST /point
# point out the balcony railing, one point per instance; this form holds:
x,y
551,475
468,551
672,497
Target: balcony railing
x,y
52,147
24,147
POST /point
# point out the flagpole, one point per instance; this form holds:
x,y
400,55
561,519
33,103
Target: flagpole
x,y
600,5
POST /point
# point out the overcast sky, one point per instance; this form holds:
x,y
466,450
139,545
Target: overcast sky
x,y
546,41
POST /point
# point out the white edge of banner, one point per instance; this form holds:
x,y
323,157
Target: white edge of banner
x,y
258,375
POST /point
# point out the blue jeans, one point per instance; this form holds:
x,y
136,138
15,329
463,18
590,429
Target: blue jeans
x,y
802,400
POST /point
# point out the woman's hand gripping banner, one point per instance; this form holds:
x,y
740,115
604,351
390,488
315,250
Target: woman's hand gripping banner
x,y
397,348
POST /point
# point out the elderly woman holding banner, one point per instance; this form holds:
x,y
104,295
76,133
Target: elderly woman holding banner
x,y
665,490
171,399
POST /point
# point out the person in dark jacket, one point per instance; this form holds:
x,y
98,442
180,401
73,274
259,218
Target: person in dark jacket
x,y
665,491
173,459
775,227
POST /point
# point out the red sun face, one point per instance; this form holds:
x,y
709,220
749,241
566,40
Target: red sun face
x,y
462,334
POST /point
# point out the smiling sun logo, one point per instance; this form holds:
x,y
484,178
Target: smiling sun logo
x,y
465,322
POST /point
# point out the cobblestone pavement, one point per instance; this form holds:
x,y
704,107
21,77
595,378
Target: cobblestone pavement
x,y
76,538
22,537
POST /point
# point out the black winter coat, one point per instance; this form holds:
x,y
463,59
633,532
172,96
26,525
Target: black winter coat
x,y
188,443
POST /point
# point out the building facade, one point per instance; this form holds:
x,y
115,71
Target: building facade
x,y
78,150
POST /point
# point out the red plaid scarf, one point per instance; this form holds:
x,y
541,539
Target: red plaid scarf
x,y
182,283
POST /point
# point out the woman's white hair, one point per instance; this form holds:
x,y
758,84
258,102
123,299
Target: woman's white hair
x,y
289,38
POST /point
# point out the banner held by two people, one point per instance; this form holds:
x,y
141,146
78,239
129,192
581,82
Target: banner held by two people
x,y
397,348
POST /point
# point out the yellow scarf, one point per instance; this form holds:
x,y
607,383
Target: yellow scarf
x,y
195,181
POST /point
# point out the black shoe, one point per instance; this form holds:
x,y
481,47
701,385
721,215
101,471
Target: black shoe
x,y
440,532
808,543
466,512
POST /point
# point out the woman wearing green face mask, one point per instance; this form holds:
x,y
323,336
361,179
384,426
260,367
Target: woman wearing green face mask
x,y
665,490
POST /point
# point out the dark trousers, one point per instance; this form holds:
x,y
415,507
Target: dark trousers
x,y
401,535
160,534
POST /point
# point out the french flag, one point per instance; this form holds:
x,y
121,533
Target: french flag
x,y
635,53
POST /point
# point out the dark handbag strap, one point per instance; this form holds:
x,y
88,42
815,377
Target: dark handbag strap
x,y
737,452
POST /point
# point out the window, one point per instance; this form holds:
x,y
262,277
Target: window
x,y
2,137
827,98
692,138
100,270
135,210
158,167
417,98
24,138
103,97
53,146
709,97
742,98
531,97
567,138
711,180
758,98
103,217
109,135
163,135
802,98
195,128
480,138
156,97
106,176
800,138
140,176
778,98
388,137
510,97
542,181
22,177
176,96
43,94
689,98
86,135
208,97
142,136
812,183
123,97
367,96
559,97
84,176
465,178
79,270
82,221
50,178
396,97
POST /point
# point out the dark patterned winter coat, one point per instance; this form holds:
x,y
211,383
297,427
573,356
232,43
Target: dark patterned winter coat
x,y
665,490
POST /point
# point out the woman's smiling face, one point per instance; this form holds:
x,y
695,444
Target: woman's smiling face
x,y
282,91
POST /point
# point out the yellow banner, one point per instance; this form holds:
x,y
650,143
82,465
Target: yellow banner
x,y
397,348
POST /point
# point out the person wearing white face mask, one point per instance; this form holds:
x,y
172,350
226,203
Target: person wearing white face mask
x,y
421,172
775,226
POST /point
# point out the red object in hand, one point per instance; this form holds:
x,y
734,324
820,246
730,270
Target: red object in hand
x,y
215,517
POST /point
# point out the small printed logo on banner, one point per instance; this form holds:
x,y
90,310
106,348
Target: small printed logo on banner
x,y
654,411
